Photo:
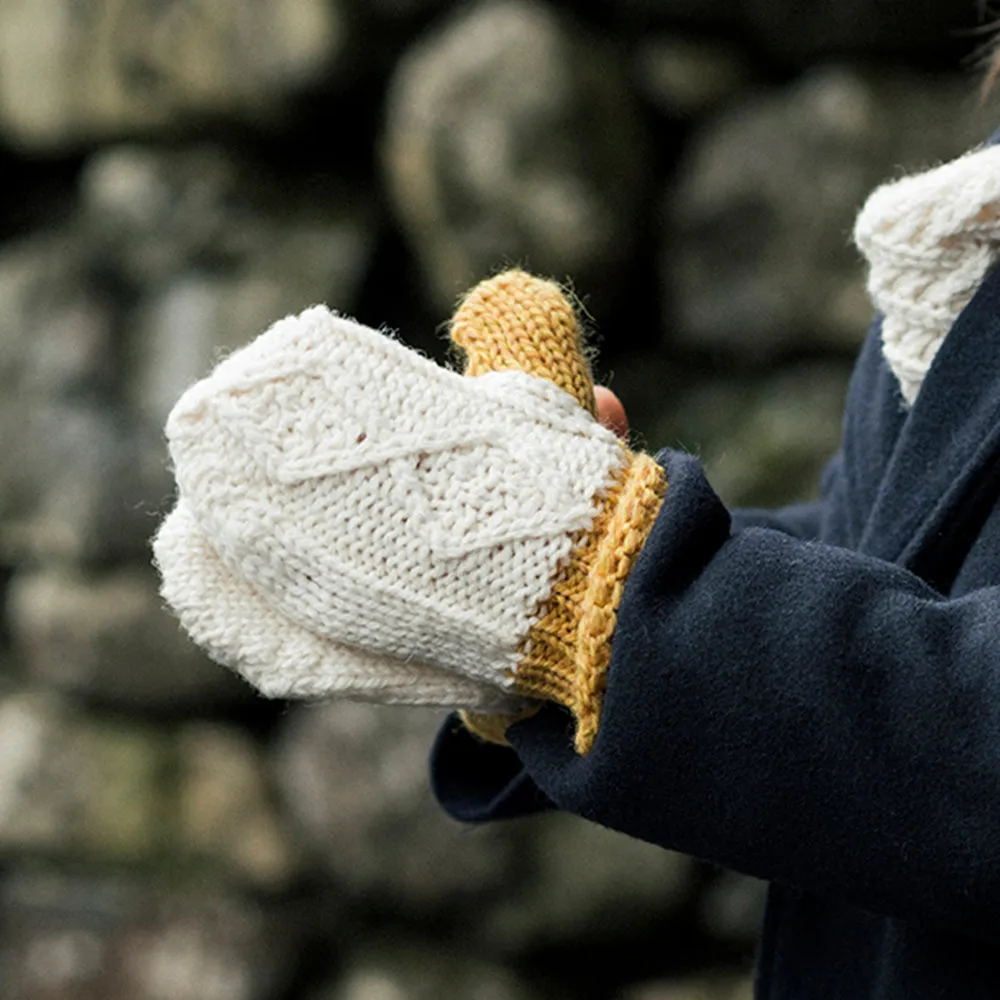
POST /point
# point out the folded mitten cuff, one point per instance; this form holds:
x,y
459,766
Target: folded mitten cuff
x,y
566,654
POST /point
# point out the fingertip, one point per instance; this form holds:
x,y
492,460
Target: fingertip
x,y
610,411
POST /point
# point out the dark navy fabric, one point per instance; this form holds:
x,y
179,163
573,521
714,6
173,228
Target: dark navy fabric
x,y
812,696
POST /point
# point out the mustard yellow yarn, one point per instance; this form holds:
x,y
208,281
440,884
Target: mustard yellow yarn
x,y
517,321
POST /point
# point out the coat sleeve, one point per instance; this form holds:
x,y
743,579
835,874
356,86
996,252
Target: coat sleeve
x,y
789,709
801,520
477,782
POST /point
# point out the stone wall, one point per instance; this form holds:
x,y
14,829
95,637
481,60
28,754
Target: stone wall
x,y
177,175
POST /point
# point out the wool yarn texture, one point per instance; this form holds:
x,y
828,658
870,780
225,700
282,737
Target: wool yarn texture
x,y
929,240
354,520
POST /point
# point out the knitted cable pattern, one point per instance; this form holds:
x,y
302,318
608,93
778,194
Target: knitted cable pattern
x,y
929,240
354,520
237,625
382,501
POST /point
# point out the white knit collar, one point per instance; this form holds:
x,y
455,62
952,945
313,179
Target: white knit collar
x,y
929,240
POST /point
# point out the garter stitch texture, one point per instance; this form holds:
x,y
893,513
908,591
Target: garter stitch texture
x,y
354,520
929,240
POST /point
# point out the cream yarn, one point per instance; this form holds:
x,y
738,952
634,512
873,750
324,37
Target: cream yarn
x,y
929,240
236,626
354,520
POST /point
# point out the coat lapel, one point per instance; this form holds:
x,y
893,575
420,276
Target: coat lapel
x,y
943,475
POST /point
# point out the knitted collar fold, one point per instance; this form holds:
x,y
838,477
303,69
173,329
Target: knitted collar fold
x,y
929,240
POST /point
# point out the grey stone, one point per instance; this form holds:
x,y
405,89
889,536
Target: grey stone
x,y
587,883
97,790
152,213
87,486
686,78
758,259
107,636
77,473
353,778
86,480
74,938
54,329
511,138
177,256
68,788
216,248
408,970
227,814
74,72
184,329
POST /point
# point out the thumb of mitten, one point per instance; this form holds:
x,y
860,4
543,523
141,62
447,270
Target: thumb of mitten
x,y
517,321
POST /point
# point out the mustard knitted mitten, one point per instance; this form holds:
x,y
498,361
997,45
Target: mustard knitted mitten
x,y
354,520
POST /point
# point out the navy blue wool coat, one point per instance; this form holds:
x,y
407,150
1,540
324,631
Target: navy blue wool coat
x,y
812,696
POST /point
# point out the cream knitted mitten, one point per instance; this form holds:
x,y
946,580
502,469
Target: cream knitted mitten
x,y
354,520
929,240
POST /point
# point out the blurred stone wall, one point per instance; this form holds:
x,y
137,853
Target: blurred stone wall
x,y
177,175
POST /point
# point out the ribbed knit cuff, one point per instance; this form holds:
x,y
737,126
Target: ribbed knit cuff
x,y
566,654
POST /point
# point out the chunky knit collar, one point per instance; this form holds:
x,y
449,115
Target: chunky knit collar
x,y
929,240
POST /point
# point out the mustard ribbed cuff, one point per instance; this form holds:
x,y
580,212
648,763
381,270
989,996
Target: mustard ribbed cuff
x,y
566,654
